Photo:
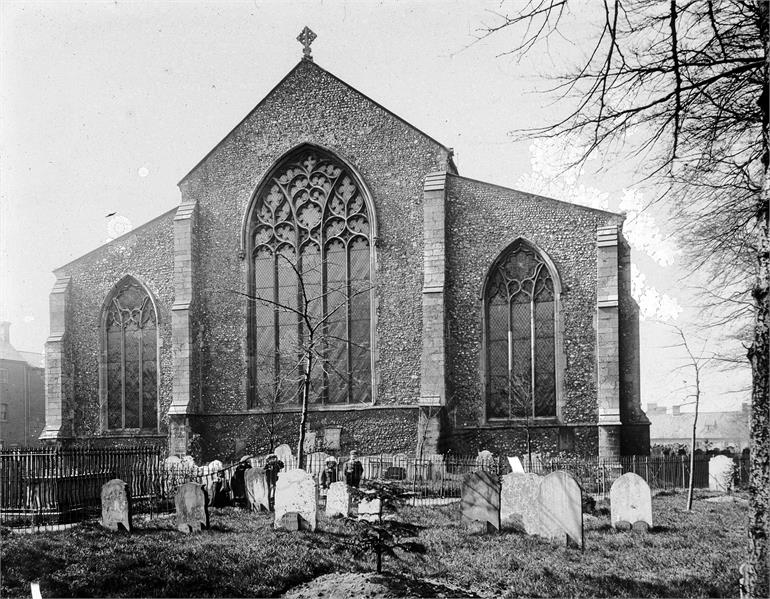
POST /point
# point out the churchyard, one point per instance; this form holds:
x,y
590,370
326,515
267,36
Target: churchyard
x,y
515,535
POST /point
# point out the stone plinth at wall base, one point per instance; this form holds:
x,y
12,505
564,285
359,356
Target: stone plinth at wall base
x,y
609,440
178,435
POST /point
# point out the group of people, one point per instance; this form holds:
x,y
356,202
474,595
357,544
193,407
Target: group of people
x,y
352,472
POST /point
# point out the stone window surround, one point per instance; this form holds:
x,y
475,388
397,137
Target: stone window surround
x,y
126,432
558,327
265,180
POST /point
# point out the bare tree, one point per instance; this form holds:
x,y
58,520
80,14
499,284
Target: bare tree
x,y
306,361
687,81
697,363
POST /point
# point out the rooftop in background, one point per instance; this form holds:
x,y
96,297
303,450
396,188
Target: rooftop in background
x,y
718,429
10,353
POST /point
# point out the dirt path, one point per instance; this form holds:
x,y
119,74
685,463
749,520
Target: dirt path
x,y
372,586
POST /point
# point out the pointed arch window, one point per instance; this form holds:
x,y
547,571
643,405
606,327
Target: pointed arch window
x,y
131,358
309,248
520,315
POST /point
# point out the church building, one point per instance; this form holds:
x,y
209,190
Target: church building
x,y
328,250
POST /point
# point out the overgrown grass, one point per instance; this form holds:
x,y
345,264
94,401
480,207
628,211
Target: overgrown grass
x,y
691,554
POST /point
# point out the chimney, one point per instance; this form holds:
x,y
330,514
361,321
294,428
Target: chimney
x,y
652,407
675,410
5,335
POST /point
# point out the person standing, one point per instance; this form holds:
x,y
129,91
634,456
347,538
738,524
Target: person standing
x,y
354,470
329,474
272,467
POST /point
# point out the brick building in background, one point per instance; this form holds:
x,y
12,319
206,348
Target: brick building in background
x,y
22,396
456,313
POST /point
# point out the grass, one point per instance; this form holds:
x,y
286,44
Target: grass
x,y
687,554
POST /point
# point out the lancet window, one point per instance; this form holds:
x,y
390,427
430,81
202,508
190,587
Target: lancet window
x,y
520,305
131,358
309,246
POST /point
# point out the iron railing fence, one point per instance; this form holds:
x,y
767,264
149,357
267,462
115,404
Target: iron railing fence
x,y
41,486
44,486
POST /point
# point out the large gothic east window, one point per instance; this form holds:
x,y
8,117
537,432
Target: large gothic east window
x,y
309,250
520,313
131,358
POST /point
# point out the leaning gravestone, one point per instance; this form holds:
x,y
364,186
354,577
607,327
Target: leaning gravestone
x,y
296,491
480,503
370,510
630,503
256,489
191,508
338,501
520,503
561,509
721,469
116,505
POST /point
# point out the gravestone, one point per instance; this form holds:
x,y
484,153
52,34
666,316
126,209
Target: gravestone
x,y
338,500
296,491
172,461
561,509
630,502
480,503
485,459
721,471
520,502
291,521
256,489
116,505
191,508
516,465
370,510
284,454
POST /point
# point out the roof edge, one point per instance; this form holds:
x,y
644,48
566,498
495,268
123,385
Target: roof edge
x,y
125,235
572,205
277,85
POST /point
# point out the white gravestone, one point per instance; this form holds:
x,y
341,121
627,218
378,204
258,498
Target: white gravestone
x,y
370,510
630,502
520,502
721,471
296,491
561,508
516,465
338,501
284,453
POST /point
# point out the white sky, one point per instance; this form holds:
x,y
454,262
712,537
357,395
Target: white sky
x,y
106,105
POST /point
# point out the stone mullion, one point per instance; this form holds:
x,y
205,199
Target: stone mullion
x,y
347,319
122,373
141,371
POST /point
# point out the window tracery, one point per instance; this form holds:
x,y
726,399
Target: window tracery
x,y
309,236
131,358
520,305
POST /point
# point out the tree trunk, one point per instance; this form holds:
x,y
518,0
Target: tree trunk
x,y
692,444
305,401
758,573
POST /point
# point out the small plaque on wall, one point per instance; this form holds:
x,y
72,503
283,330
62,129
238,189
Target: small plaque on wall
x,y
332,437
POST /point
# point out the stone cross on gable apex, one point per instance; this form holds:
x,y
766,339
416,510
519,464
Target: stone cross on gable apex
x,y
306,38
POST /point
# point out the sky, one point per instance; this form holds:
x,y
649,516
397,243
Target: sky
x,y
105,106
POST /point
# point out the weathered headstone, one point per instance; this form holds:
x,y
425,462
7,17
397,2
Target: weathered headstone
x,y
480,501
284,454
296,491
520,502
561,509
721,472
630,502
116,505
516,465
485,459
338,500
256,489
191,508
291,521
370,510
